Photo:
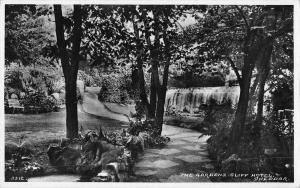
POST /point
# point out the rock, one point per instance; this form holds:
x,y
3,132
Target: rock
x,y
62,95
234,164
233,157
109,157
106,176
88,156
55,96
103,176
186,109
195,110
22,95
14,96
110,173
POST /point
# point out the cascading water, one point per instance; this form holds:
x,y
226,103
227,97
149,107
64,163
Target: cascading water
x,y
190,99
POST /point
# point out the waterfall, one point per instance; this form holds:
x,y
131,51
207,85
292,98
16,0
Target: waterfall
x,y
190,99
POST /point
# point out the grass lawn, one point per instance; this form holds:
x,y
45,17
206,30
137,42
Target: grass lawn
x,y
47,126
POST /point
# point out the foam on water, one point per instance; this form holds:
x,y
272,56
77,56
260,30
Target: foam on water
x,y
192,98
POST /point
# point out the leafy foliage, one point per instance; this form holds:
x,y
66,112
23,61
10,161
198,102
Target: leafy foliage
x,y
26,34
18,161
115,88
86,78
32,78
35,83
149,127
189,79
39,101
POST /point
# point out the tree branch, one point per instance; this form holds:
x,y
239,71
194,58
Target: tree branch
x,y
167,53
60,39
243,16
235,70
76,39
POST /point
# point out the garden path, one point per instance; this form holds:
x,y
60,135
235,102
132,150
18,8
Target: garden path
x,y
184,159
92,105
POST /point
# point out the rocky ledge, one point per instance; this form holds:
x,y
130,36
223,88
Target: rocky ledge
x,y
98,156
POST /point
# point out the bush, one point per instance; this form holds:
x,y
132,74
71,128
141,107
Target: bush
x,y
283,132
24,79
18,163
56,86
148,127
39,102
253,156
115,88
86,78
190,80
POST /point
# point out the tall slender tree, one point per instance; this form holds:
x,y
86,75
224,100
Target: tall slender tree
x,y
69,65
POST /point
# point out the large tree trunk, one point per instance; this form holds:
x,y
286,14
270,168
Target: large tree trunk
x,y
160,109
256,53
142,91
71,107
263,75
154,109
141,80
153,95
70,69
162,98
241,111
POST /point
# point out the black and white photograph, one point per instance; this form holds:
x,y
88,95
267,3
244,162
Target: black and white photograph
x,y
189,92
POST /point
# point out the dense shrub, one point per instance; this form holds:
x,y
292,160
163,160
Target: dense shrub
x,y
271,153
33,85
38,102
190,80
86,78
218,121
24,79
115,88
282,130
56,86
18,161
148,127
283,97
